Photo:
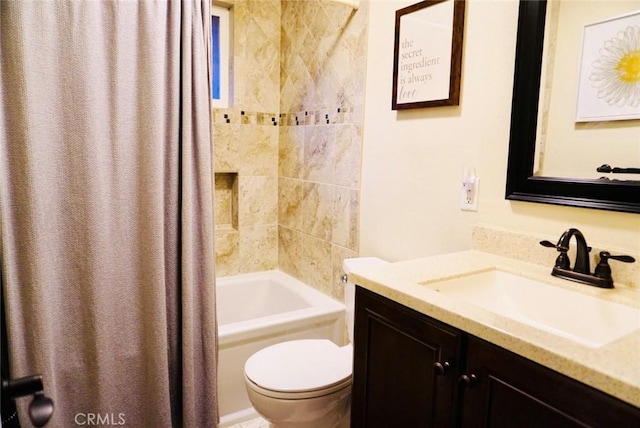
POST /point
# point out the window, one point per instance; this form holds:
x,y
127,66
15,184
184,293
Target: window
x,y
220,56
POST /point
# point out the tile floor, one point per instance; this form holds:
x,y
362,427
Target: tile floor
x,y
253,423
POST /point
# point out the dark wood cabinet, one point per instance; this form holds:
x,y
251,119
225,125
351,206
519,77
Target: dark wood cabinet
x,y
413,371
512,391
406,366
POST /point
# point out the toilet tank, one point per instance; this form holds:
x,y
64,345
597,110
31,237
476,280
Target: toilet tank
x,y
350,288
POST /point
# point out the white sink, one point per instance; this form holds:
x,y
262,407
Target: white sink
x,y
585,319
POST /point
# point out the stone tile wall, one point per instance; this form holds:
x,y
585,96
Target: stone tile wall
x,y
246,145
323,57
298,170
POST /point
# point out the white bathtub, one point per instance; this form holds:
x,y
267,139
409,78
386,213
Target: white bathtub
x,y
260,309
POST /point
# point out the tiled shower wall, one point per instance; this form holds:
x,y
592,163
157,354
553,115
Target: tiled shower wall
x,y
323,49
297,183
246,145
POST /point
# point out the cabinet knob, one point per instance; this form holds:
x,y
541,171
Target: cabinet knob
x,y
468,380
441,368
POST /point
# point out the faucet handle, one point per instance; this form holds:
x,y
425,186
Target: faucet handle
x,y
557,246
603,270
562,261
548,244
626,259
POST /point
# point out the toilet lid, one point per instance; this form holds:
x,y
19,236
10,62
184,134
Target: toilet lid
x,y
300,365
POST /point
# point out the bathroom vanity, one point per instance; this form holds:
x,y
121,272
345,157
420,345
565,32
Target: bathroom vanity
x,y
426,359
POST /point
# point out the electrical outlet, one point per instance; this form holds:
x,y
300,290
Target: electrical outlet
x,y
469,193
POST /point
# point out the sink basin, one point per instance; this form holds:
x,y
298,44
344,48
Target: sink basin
x,y
585,319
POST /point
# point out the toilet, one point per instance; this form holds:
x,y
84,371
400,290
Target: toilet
x,y
306,383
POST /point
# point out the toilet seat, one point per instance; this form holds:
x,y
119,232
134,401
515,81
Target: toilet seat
x,y
317,393
300,369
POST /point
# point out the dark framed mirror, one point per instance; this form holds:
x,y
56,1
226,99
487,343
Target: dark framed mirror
x,y
603,193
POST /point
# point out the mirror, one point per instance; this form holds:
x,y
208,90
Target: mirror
x,y
609,193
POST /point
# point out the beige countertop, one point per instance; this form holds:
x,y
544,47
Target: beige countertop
x,y
613,368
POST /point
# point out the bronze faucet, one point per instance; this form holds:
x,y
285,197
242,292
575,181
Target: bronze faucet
x,y
581,271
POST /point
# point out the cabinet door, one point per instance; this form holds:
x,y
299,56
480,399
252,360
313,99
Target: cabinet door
x,y
400,376
512,391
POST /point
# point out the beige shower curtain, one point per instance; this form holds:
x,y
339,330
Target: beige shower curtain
x,y
106,209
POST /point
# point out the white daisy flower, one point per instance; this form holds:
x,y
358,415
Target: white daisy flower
x,y
616,73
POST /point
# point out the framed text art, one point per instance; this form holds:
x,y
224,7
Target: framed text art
x,y
428,54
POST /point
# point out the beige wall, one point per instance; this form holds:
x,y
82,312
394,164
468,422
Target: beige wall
x,y
413,161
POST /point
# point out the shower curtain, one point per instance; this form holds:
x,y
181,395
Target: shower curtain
x,y
106,209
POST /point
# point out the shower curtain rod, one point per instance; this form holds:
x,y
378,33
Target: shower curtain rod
x,y
351,3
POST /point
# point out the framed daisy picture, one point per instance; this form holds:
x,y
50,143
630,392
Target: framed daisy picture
x,y
609,80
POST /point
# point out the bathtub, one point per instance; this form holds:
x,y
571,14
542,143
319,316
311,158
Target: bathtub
x,y
261,309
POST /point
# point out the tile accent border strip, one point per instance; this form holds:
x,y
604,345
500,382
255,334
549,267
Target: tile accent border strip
x,y
309,117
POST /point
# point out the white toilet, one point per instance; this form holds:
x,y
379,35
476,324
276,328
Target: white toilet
x,y
306,383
